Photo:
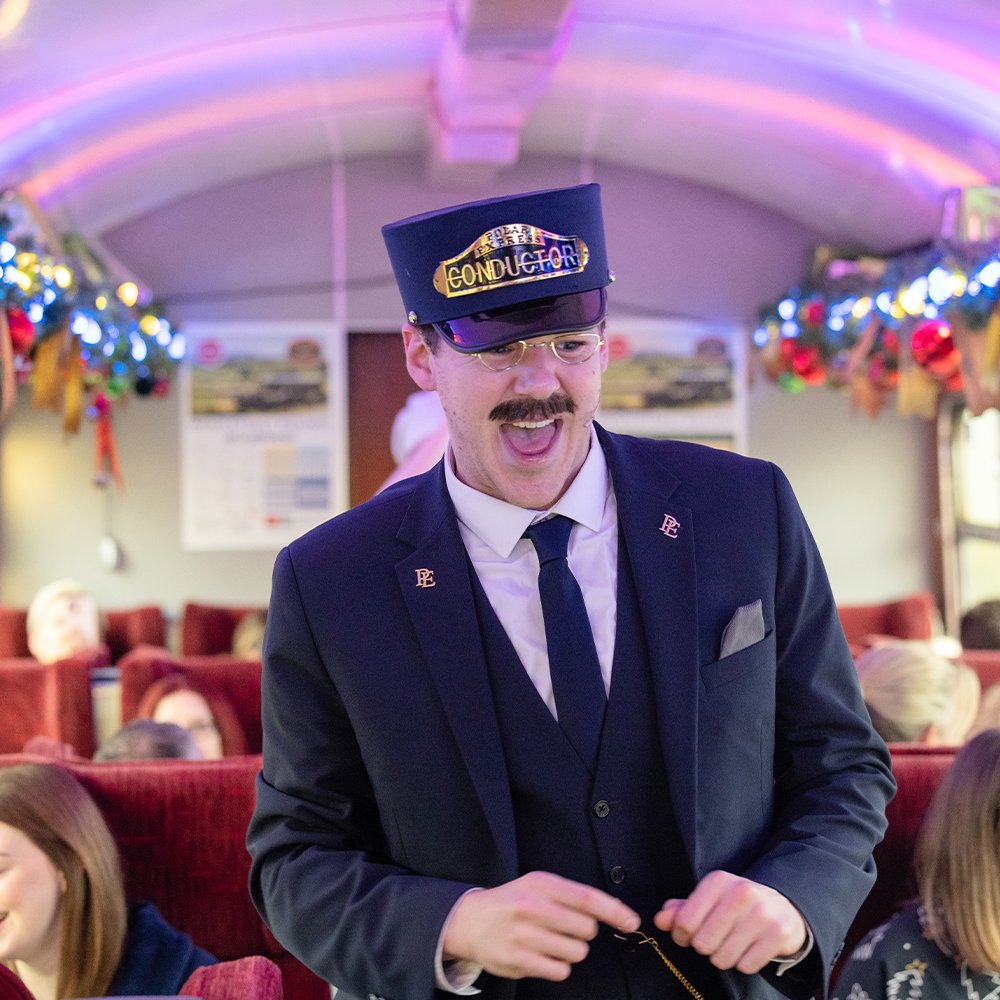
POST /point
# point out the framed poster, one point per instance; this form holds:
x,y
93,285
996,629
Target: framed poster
x,y
676,378
263,433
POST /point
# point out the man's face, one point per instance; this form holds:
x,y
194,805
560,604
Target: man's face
x,y
520,435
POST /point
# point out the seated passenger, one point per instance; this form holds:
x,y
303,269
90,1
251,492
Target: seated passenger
x,y
981,626
248,636
198,708
144,739
63,621
946,945
916,696
66,929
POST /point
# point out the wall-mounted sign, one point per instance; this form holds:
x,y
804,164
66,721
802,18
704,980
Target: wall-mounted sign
x,y
676,378
262,433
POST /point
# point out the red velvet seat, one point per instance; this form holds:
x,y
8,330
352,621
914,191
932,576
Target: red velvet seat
x,y
13,633
253,978
125,630
237,681
180,828
985,662
918,771
206,629
135,627
912,617
48,700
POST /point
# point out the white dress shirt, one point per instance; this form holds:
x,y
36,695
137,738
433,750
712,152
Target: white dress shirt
x,y
507,564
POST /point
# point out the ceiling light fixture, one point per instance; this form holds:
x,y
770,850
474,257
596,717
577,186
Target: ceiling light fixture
x,y
11,12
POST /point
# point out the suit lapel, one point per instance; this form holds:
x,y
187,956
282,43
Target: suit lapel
x,y
659,536
437,590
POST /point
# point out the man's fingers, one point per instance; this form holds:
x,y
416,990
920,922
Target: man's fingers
x,y
737,923
687,916
539,925
665,918
591,901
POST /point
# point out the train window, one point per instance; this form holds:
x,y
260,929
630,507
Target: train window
x,y
971,527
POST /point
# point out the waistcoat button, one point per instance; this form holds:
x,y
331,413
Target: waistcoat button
x,y
617,874
601,809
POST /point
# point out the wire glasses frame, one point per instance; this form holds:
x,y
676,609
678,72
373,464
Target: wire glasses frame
x,y
569,348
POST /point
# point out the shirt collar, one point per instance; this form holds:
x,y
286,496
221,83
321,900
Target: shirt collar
x,y
500,524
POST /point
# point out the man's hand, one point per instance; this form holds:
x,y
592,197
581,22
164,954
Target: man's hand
x,y
538,925
735,922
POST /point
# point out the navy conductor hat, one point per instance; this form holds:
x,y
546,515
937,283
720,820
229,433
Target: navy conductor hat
x,y
491,272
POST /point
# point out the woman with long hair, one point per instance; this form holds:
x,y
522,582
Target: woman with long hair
x,y
947,943
65,928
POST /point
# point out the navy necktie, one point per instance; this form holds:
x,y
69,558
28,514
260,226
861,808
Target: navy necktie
x,y
576,672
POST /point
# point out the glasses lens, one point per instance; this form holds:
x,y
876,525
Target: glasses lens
x,y
576,348
499,359
496,327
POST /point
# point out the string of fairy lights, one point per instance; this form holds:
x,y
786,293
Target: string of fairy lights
x,y
870,322
55,290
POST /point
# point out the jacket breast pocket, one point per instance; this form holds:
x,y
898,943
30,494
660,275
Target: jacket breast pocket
x,y
736,720
736,666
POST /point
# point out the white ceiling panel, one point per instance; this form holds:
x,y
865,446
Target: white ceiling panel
x,y
851,116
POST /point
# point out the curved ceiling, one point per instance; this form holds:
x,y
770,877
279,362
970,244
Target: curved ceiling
x,y
851,116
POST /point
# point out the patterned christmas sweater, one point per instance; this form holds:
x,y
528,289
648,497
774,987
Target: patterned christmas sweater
x,y
899,961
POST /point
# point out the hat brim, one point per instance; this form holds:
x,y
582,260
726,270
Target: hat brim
x,y
535,318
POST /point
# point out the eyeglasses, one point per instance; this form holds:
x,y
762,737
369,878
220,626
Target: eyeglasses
x,y
569,348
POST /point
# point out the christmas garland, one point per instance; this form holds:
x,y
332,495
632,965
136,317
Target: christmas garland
x,y
918,323
83,339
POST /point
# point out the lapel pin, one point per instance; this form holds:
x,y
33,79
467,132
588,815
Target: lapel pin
x,y
670,526
425,578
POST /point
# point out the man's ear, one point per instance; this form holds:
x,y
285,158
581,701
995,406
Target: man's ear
x,y
419,358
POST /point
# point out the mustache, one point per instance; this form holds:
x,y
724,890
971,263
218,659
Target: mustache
x,y
527,409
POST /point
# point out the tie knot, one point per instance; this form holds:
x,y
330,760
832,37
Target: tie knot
x,y
550,538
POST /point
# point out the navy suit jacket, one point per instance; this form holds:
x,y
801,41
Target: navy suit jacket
x,y
384,795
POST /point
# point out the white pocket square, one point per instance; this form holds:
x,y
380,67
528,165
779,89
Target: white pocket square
x,y
744,629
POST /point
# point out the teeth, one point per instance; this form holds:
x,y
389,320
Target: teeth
x,y
532,424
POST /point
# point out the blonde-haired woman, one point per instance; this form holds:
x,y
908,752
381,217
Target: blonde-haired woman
x,y
65,928
946,946
915,696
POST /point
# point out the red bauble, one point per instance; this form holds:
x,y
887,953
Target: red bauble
x,y
22,330
807,364
890,341
933,349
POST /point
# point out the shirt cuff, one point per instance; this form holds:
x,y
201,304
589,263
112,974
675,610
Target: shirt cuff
x,y
458,975
786,962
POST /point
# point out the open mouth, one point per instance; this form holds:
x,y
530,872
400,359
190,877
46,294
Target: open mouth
x,y
531,438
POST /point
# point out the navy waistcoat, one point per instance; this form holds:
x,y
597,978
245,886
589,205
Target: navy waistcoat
x,y
615,829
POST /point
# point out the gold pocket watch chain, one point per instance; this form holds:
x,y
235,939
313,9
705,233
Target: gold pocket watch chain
x,y
640,938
